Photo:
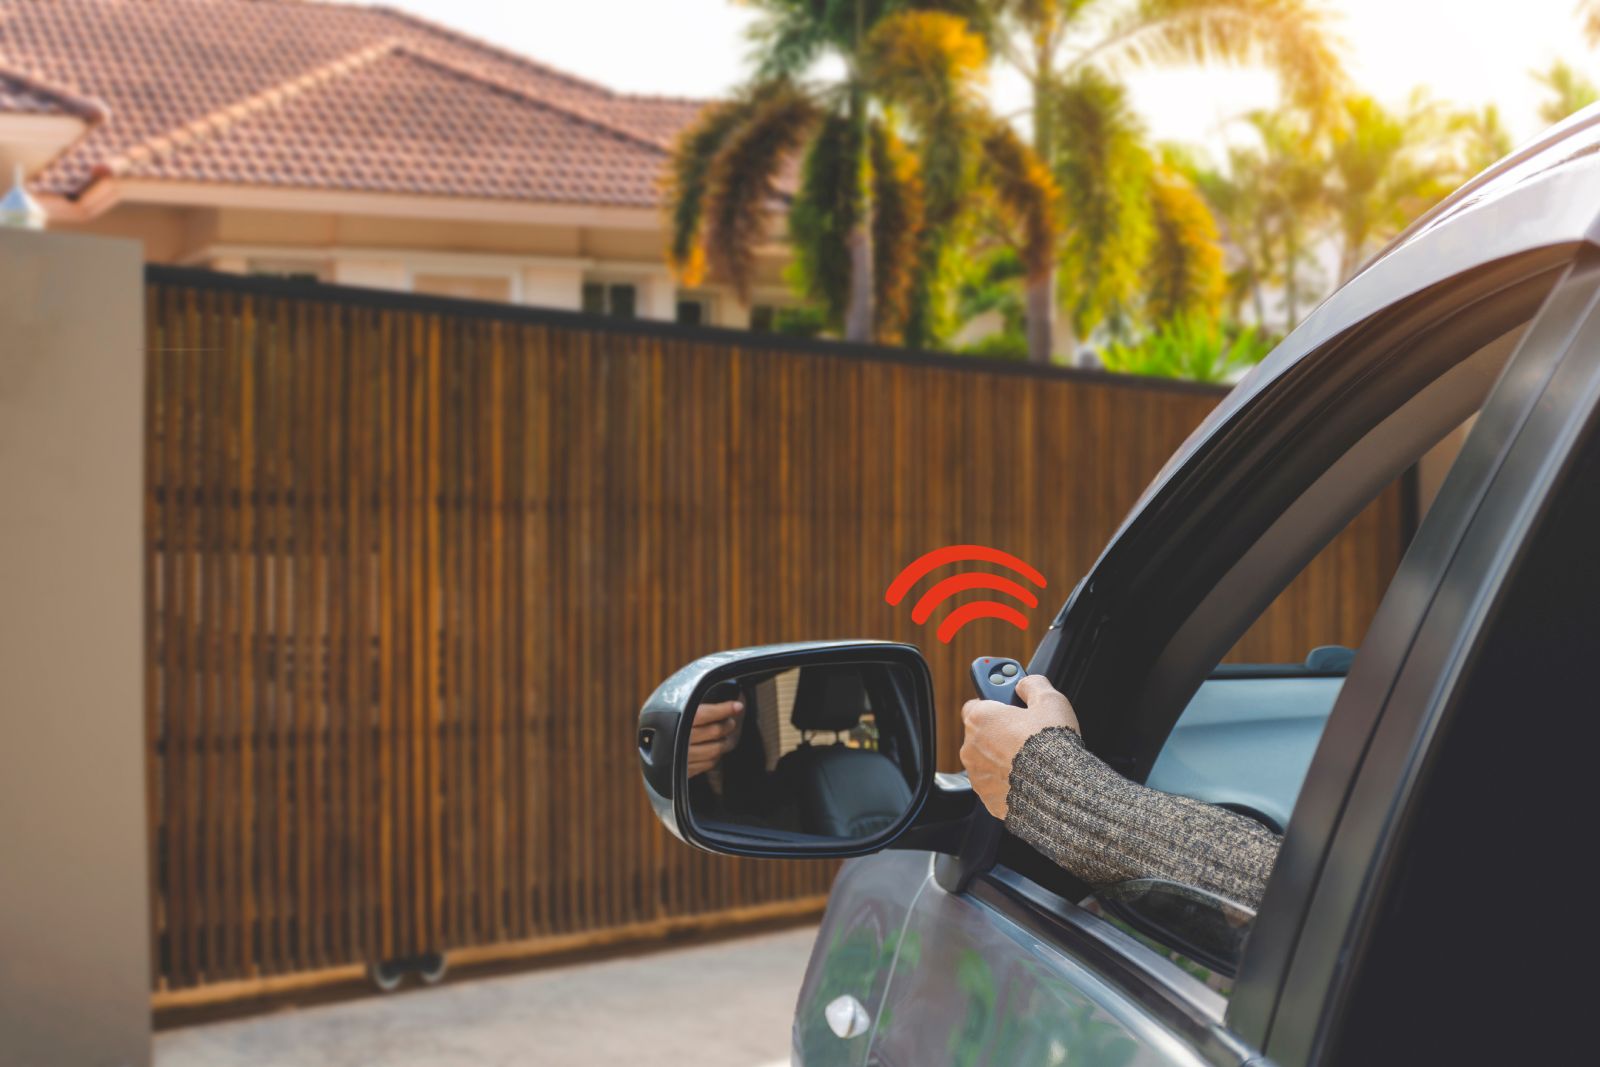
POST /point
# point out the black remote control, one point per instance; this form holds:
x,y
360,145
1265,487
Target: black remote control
x,y
996,678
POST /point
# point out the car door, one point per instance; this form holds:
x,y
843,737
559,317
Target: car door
x,y
1472,789
1011,968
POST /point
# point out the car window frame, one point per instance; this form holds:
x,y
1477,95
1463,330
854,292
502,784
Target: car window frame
x,y
1118,627
1489,510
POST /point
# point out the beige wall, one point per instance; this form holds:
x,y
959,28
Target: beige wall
x,y
74,913
543,265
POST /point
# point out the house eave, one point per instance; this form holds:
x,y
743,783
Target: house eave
x,y
108,192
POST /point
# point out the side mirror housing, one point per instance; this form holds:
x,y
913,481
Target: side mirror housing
x,y
816,750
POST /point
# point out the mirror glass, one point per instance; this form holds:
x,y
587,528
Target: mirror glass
x,y
818,753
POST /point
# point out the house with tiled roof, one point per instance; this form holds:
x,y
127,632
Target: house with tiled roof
x,y
354,144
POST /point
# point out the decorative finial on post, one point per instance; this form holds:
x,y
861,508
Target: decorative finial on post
x,y
18,210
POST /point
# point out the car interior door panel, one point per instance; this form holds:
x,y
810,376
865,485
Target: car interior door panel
x,y
1245,741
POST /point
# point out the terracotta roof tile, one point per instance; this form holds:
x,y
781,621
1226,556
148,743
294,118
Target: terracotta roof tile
x,y
290,93
393,120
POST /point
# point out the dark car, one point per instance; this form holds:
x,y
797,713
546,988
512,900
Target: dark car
x,y
1430,899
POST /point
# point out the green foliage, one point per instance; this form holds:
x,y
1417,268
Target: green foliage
x,y
1104,167
691,167
1386,167
1483,139
1568,91
889,144
741,179
1125,219
1185,269
1007,344
897,222
987,282
825,211
1195,347
800,322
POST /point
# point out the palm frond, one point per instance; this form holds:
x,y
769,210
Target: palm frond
x,y
1103,170
1292,37
897,221
1185,269
1025,194
928,62
1484,139
791,35
927,67
1569,91
826,208
686,181
741,182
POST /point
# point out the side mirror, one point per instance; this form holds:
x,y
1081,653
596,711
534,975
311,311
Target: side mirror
x,y
831,753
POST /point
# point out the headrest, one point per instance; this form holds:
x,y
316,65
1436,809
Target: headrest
x,y
829,698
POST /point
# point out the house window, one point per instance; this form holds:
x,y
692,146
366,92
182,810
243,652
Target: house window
x,y
297,270
618,299
693,311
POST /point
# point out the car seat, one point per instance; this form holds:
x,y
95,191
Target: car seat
x,y
842,791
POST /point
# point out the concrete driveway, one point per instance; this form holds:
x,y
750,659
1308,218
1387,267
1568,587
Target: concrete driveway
x,y
728,1004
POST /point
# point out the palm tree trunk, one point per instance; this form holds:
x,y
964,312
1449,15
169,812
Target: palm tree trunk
x,y
1040,307
1041,313
858,314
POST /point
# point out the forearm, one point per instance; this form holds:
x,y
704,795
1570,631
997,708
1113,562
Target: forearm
x,y
1104,828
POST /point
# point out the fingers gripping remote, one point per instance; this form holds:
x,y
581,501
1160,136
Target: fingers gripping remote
x,y
996,677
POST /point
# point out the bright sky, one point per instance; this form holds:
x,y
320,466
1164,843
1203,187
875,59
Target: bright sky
x,y
1464,51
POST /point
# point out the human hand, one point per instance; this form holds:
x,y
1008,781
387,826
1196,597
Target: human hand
x,y
996,732
714,733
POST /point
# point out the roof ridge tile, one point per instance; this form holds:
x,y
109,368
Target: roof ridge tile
x,y
84,106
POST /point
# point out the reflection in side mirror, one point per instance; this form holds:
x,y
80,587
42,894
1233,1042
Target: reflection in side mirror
x,y
792,750
820,753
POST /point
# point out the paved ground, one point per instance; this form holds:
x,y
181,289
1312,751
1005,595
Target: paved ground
x,y
723,1005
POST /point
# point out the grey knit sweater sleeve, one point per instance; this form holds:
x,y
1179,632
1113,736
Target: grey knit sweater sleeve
x,y
1105,829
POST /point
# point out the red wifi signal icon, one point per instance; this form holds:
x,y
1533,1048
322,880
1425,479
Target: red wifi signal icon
x,y
960,583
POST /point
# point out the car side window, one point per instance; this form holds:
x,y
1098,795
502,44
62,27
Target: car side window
x,y
1246,738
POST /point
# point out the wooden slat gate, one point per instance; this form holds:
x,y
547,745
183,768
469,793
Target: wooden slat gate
x,y
414,564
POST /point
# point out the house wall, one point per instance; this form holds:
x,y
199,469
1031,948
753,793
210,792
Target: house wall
x,y
74,891
543,265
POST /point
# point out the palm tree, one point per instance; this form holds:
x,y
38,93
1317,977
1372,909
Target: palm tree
x,y
1569,90
888,151
1185,279
1272,197
1484,139
1236,195
1386,168
1073,54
